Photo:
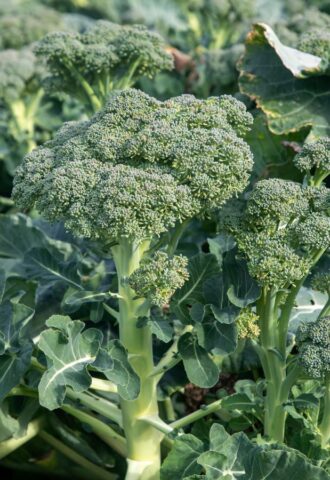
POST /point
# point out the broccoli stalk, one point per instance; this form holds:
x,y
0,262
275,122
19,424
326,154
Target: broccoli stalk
x,y
324,426
283,232
125,178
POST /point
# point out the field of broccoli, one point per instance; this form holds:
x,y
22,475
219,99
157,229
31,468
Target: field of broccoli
x,y
165,239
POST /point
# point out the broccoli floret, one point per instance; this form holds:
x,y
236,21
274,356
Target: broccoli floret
x,y
313,340
139,165
275,201
107,56
247,324
315,156
281,228
21,26
159,277
271,259
321,282
313,232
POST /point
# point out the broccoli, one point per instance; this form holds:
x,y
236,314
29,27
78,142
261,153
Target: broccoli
x,y
136,169
105,57
314,159
313,340
282,231
21,26
20,97
139,165
159,277
247,324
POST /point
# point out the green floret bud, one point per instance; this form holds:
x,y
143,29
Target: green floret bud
x,y
313,340
314,155
271,260
159,277
18,70
275,201
105,57
125,172
319,198
321,282
247,324
313,232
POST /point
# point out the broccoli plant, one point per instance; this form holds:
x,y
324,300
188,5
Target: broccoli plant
x,y
20,97
105,57
131,178
313,340
283,232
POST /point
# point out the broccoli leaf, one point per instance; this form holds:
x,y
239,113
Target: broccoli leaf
x,y
69,351
288,85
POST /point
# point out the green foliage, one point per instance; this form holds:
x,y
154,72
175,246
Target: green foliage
x,y
304,76
143,177
313,341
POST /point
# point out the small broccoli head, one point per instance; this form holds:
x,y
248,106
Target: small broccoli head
x,y
159,277
271,259
314,155
247,324
275,201
313,232
20,27
321,282
105,57
138,166
18,71
313,340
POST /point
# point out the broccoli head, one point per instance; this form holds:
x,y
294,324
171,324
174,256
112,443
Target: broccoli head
x,y
283,227
159,277
317,43
105,57
315,156
321,282
21,26
313,340
139,165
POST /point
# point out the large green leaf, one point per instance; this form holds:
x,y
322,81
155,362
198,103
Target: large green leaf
x,y
69,351
201,267
200,368
288,85
215,333
48,265
182,460
15,349
308,305
113,362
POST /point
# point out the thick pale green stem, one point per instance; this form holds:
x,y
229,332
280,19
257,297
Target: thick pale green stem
x,y
143,440
325,423
13,444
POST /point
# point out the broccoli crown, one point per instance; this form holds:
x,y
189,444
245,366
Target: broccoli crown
x,y
18,70
105,49
247,324
316,154
20,27
313,340
139,165
159,277
281,227
321,282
